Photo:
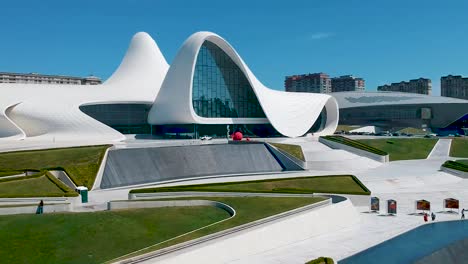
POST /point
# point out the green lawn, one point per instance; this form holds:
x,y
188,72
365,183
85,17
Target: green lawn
x,y
81,163
34,187
356,144
95,237
459,148
345,184
403,148
248,209
294,150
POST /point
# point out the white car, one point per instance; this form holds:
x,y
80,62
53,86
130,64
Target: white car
x,y
206,138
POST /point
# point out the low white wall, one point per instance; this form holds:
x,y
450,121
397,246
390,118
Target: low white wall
x,y
454,172
360,152
31,209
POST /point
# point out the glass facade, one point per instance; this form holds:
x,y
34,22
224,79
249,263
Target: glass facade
x,y
220,88
125,118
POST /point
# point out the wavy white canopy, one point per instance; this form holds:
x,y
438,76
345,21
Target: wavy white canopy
x,y
291,114
51,112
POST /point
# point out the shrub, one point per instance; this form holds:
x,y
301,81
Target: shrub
x,y
321,260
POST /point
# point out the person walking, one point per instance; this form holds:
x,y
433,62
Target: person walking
x,y
463,213
425,217
433,216
40,208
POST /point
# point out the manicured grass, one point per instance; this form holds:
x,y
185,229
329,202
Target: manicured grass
x,y
248,209
293,150
356,144
81,163
412,130
403,148
344,184
461,165
459,148
95,237
34,186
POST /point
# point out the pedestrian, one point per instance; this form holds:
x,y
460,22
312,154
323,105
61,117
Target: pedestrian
x,y
433,216
425,217
463,213
40,208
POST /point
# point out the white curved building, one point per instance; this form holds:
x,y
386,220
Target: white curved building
x,y
208,86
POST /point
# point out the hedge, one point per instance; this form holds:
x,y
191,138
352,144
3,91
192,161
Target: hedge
x,y
355,144
455,165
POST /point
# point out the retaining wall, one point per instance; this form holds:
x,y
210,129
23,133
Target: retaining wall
x,y
360,152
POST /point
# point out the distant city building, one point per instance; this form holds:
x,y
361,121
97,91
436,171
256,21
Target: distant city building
x,y
310,83
420,86
35,78
347,83
454,86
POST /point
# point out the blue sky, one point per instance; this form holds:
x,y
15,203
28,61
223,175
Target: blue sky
x,y
381,41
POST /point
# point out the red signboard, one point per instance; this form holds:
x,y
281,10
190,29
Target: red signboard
x,y
423,205
451,203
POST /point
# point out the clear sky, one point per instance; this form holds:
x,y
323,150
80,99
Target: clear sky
x,y
381,41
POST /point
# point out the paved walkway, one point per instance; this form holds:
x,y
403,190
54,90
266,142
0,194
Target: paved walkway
x,y
441,149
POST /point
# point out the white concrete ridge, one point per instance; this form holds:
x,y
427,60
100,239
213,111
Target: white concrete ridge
x,y
46,113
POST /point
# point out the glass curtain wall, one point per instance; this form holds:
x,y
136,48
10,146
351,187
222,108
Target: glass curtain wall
x,y
220,88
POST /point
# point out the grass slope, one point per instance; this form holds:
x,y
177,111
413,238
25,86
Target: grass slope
x,y
95,237
293,150
30,187
403,148
81,163
345,184
459,148
248,209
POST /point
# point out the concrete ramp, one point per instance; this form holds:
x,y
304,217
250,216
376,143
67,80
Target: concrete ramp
x,y
145,165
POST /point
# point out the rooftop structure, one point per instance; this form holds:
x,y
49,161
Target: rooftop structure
x,y
309,83
347,83
36,78
454,86
420,86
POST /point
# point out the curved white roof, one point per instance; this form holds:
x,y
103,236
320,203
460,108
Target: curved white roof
x,y
291,114
51,112
359,99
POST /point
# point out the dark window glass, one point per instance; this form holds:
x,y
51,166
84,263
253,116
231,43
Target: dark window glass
x,y
220,89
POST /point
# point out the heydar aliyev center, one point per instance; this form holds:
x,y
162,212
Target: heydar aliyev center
x,y
208,90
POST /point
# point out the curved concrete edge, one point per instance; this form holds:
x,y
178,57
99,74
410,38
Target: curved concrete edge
x,y
102,166
454,172
279,230
356,200
288,161
232,231
360,152
132,204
